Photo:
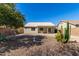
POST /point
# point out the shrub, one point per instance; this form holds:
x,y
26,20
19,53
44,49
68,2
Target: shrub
x,y
64,34
59,36
2,38
19,30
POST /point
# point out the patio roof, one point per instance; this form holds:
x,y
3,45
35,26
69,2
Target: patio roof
x,y
36,24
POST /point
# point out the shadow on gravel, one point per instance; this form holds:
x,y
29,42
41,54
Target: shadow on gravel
x,y
21,41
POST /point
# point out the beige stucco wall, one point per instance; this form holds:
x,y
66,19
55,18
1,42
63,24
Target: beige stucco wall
x,y
64,25
29,31
75,31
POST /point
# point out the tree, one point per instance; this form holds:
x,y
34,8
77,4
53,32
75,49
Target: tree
x,y
10,17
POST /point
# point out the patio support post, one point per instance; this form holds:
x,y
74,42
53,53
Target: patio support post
x,y
47,30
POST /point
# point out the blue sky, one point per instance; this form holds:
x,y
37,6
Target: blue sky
x,y
49,12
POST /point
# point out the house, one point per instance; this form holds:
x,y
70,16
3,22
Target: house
x,y
39,27
73,25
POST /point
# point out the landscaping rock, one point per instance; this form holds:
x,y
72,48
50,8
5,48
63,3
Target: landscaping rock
x,y
3,49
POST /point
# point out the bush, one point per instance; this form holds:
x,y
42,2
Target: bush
x,y
59,36
2,38
63,36
19,30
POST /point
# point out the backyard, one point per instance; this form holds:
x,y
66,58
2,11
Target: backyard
x,y
15,42
46,45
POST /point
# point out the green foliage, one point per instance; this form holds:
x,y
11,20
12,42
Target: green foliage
x,y
59,36
63,37
2,38
10,17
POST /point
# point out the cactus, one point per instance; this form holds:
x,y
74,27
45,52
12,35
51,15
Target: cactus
x,y
66,34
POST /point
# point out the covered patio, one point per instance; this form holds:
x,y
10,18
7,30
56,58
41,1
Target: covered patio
x,y
46,29
39,27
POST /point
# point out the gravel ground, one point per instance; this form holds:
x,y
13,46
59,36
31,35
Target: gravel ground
x,y
49,47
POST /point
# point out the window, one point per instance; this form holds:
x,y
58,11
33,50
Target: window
x,y
41,29
33,29
77,25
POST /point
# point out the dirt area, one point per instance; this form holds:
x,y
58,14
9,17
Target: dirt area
x,y
48,47
48,43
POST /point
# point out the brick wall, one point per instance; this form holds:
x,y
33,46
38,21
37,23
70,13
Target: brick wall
x,y
7,31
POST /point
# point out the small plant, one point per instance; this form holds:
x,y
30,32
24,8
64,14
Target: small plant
x,y
2,38
59,36
64,34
